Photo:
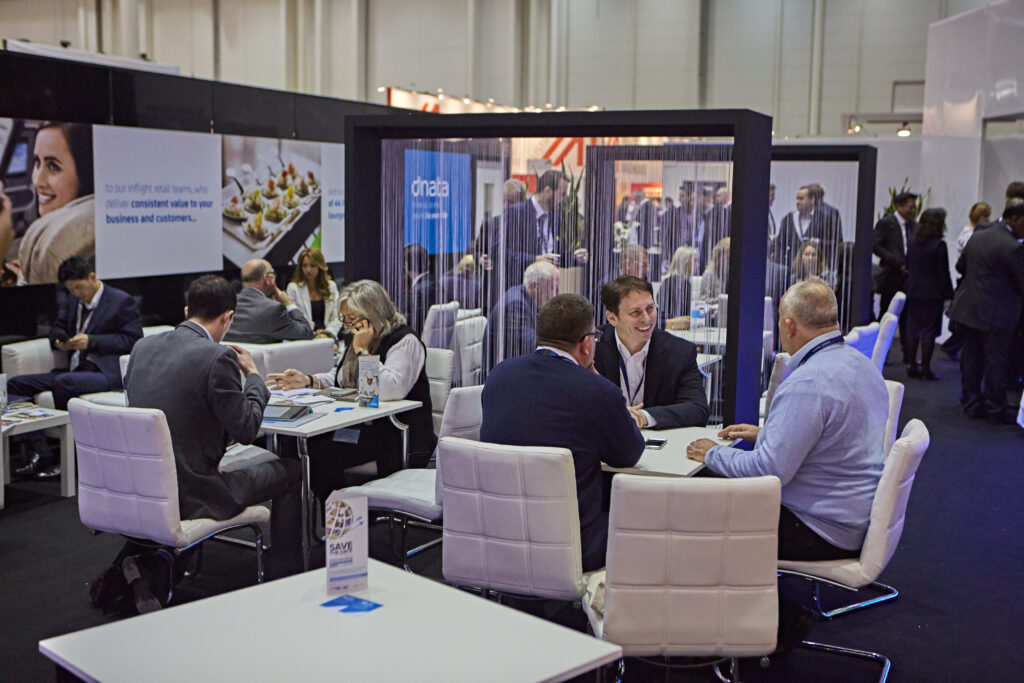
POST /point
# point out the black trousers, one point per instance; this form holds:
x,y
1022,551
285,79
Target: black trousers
x,y
797,541
984,370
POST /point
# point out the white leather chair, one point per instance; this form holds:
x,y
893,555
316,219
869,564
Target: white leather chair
x,y
864,338
895,390
414,495
511,519
691,568
440,366
780,371
886,330
468,313
309,355
127,483
439,325
469,342
899,300
888,512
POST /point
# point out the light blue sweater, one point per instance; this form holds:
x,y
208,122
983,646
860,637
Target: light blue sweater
x,y
823,440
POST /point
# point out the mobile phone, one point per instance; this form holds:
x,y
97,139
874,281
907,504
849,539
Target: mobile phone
x,y
655,444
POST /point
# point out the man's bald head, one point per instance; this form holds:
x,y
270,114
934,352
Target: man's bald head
x,y
258,273
812,304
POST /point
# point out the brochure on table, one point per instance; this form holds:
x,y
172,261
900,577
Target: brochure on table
x,y
347,543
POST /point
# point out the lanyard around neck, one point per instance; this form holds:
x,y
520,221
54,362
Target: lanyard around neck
x,y
831,341
625,376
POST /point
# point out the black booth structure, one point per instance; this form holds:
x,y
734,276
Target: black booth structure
x,y
40,89
370,181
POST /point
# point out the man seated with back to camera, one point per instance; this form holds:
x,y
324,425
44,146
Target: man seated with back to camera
x,y
656,371
265,314
554,397
197,382
97,324
823,437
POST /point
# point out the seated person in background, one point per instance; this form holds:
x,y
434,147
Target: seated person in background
x,y
463,285
196,382
674,294
809,264
553,397
315,294
97,325
656,372
419,292
823,437
265,314
715,280
634,261
377,330
512,324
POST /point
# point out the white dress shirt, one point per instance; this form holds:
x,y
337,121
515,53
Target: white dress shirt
x,y
85,311
545,237
636,366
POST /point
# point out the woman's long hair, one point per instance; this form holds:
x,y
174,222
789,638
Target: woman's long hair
x,y
317,258
79,139
367,299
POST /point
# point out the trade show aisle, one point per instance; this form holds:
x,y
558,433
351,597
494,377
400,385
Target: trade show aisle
x,y
957,567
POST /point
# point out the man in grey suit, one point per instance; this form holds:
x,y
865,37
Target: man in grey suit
x,y
987,307
196,382
265,314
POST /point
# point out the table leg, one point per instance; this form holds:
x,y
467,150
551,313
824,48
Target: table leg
x,y
68,480
404,428
303,448
5,466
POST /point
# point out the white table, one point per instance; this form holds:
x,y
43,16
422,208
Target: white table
x,y
671,460
56,419
335,415
705,336
277,631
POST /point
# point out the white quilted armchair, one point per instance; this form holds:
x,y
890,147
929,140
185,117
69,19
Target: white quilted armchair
x,y
691,568
127,482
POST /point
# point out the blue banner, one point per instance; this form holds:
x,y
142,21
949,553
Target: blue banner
x,y
438,200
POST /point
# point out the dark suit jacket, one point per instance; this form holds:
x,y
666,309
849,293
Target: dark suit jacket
x,y
113,329
538,400
515,321
991,293
824,227
673,386
196,383
418,301
889,246
717,221
521,243
928,266
261,320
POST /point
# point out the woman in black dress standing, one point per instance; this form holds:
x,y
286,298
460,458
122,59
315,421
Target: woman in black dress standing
x,y
928,287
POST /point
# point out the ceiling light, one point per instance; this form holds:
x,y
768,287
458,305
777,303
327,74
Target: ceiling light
x,y
857,128
440,96
465,100
904,131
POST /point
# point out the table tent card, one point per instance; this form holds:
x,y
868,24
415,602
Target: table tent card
x,y
369,373
347,543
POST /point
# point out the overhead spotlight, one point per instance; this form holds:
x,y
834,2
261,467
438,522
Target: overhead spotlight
x,y
440,90
490,100
857,128
548,105
440,96
465,100
381,88
560,109
593,107
904,131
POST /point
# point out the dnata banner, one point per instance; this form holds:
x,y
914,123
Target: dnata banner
x,y
437,200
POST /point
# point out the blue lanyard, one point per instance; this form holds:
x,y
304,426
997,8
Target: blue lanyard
x,y
549,352
831,341
625,377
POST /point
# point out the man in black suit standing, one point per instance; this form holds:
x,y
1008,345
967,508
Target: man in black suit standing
x,y
656,371
97,324
717,221
987,306
265,314
196,381
892,234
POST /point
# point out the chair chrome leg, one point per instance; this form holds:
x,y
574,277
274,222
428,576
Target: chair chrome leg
x,y
258,533
199,563
851,652
888,593
404,429
303,448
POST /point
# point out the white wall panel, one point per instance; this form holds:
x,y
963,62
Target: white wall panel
x,y
252,43
183,35
741,49
41,21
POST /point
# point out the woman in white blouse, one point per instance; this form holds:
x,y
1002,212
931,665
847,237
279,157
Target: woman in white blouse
x,y
315,293
377,329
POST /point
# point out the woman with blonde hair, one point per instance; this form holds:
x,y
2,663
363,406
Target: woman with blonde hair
x,y
377,329
674,293
980,213
715,279
315,293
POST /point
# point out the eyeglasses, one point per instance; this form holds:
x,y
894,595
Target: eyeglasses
x,y
596,334
351,320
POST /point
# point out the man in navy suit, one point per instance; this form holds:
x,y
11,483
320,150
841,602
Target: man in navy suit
x,y
97,325
553,397
892,234
512,325
532,231
655,371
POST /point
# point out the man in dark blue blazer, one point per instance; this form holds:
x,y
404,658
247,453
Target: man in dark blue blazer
x,y
553,397
97,325
512,325
655,371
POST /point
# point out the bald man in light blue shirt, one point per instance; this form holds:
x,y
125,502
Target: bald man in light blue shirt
x,y
823,437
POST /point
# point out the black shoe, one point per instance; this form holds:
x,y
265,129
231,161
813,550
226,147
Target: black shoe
x,y
49,474
36,463
976,413
930,376
144,599
1003,418
912,371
